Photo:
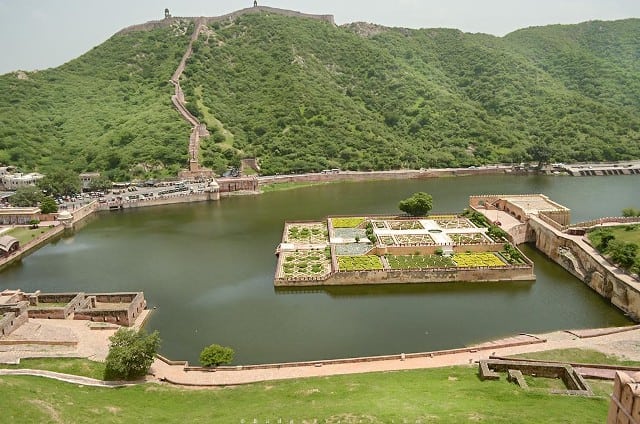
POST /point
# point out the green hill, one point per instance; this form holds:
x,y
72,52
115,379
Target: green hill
x,y
303,95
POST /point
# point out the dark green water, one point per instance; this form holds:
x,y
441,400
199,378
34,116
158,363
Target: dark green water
x,y
209,270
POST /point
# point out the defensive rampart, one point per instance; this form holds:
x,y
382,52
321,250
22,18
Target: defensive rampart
x,y
582,260
148,26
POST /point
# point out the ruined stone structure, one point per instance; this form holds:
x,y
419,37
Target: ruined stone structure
x,y
575,384
116,308
13,311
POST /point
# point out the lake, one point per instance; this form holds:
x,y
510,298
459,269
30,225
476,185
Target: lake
x,y
209,267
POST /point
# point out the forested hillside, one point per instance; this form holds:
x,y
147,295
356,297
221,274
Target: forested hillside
x,y
304,95
110,109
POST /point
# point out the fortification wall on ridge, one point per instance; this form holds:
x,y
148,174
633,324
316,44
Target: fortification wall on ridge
x,y
162,23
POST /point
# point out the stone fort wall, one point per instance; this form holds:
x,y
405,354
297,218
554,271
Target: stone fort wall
x,y
584,262
151,25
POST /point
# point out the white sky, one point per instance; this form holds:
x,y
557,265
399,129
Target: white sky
x,y
37,34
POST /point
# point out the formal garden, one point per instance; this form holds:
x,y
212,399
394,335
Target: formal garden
x,y
345,244
306,263
359,263
312,233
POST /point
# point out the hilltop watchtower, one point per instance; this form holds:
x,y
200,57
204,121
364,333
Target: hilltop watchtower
x,y
167,15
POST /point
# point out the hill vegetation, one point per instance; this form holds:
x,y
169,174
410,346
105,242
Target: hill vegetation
x,y
303,95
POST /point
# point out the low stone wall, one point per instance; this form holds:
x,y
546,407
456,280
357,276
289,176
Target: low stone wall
x,y
228,185
30,246
116,315
81,213
378,175
572,380
399,357
430,249
38,302
429,275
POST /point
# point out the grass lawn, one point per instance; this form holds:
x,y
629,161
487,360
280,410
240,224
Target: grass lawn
x,y
445,395
75,366
26,234
267,188
577,356
624,233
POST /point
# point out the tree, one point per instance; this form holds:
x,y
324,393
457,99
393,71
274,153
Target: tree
x,y
100,183
623,254
214,355
630,212
540,152
48,205
417,205
130,354
61,182
24,197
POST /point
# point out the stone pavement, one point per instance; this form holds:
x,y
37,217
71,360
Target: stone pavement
x,y
60,338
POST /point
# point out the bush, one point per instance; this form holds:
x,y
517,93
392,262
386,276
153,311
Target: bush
x,y
130,354
214,355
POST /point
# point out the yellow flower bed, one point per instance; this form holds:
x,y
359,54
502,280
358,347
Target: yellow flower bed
x,y
359,263
350,222
471,260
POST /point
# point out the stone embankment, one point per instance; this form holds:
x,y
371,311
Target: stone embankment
x,y
165,200
623,340
577,256
405,174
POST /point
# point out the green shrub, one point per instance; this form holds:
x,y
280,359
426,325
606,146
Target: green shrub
x,y
130,354
214,355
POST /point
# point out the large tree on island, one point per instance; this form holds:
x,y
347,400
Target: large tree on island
x,y
419,204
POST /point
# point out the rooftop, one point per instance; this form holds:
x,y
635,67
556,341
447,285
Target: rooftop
x,y
534,203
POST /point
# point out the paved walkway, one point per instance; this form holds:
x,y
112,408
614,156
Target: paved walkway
x,y
620,341
610,341
68,378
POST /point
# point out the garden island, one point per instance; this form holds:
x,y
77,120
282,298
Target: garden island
x,y
345,250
